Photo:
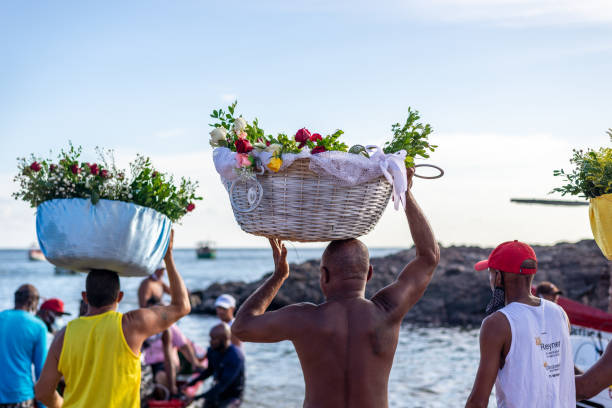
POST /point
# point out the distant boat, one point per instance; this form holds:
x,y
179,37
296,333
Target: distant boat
x,y
205,250
63,271
36,254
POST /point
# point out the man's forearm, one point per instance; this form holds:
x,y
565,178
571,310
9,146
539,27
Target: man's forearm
x,y
178,291
53,400
259,301
422,234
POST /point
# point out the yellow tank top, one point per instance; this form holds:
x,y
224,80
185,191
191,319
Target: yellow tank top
x,y
100,369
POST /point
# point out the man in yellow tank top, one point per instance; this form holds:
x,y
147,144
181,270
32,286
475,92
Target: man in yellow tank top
x,y
99,354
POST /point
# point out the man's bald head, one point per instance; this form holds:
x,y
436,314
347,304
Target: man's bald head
x,y
346,259
26,297
220,336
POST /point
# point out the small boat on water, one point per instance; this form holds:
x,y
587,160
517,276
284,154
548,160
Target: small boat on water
x,y
36,254
205,250
591,333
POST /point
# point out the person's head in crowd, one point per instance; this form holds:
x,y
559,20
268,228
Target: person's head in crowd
x,y
159,272
225,305
102,289
51,312
82,308
26,298
345,266
220,337
549,291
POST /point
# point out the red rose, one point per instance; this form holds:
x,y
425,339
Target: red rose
x,y
315,137
35,166
243,146
104,174
190,207
52,167
302,136
75,169
268,143
318,149
93,169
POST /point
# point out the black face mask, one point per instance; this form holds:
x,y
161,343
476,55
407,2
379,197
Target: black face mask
x,y
498,299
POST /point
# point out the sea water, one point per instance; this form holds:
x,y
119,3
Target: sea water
x,y
433,367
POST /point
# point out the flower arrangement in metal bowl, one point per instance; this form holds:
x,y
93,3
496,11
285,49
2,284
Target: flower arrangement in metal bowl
x,y
97,216
309,187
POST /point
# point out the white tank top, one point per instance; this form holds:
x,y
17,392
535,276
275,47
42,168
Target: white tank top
x,y
539,368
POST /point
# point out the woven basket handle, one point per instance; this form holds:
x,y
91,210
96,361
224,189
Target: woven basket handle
x,y
254,196
437,176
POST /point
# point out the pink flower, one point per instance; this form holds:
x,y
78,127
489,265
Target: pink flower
x,y
318,149
242,135
75,169
93,169
302,136
35,166
315,137
190,207
243,146
104,174
242,160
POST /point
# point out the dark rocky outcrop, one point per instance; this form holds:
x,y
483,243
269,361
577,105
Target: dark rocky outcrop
x,y
457,294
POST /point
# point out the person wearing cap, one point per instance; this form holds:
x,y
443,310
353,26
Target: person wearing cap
x,y
153,285
51,312
548,290
23,345
225,305
99,354
347,343
525,349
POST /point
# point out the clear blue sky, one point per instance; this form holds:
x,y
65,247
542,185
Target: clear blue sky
x,y
509,87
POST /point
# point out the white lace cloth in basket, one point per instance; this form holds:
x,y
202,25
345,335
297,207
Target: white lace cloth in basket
x,y
347,168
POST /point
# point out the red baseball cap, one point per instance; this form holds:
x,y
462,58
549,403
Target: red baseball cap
x,y
508,257
54,305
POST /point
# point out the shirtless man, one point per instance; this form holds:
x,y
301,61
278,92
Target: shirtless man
x,y
151,286
346,344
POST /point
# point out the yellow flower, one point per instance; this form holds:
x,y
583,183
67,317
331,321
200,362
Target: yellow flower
x,y
275,164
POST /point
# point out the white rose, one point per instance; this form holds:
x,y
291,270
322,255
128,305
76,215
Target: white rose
x,y
239,125
273,148
218,134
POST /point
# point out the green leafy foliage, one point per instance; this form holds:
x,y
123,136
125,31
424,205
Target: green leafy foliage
x,y
591,175
411,137
41,180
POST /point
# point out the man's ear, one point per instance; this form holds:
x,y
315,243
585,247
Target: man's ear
x,y
84,297
325,273
120,296
498,279
370,272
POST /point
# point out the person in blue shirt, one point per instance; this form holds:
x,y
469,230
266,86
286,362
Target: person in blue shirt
x,y
23,343
226,365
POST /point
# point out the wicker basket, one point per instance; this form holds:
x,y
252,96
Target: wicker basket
x,y
299,205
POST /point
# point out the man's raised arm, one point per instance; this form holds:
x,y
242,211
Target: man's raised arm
x,y
140,324
401,295
252,322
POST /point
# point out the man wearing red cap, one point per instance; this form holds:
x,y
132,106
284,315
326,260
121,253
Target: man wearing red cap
x,y
525,348
51,312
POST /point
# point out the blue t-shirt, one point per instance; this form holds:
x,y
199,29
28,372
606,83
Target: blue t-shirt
x,y
23,342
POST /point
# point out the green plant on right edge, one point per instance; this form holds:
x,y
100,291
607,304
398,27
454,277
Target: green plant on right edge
x,y
411,137
592,173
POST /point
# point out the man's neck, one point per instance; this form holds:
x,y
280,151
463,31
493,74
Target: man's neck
x,y
24,308
522,296
92,311
337,296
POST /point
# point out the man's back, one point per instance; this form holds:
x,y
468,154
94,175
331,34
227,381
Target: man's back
x,y
541,351
95,356
346,351
22,343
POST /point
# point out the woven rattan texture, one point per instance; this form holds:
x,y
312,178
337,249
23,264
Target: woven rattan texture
x,y
300,205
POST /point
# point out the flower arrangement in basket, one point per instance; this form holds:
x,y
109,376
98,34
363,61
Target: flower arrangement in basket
x,y
591,178
309,187
94,215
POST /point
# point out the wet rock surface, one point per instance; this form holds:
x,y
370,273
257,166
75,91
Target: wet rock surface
x,y
456,296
